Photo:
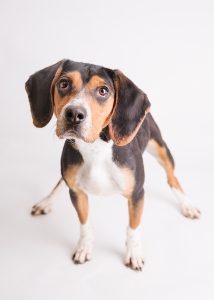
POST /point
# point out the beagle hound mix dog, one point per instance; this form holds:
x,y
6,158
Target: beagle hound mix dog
x,y
105,121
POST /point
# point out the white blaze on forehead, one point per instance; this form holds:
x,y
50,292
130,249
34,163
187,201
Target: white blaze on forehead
x,y
80,101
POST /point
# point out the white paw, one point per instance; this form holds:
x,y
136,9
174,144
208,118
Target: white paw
x,y
189,211
84,247
134,257
41,208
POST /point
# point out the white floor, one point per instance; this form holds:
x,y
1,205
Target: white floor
x,y
167,49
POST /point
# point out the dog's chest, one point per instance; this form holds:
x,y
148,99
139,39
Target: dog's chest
x,y
99,174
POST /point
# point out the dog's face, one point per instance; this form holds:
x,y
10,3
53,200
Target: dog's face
x,y
85,99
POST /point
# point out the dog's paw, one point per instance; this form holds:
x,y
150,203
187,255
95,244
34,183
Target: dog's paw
x,y
134,260
186,206
134,257
189,211
82,253
84,247
41,208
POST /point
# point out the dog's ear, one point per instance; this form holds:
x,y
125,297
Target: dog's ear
x,y
131,107
38,88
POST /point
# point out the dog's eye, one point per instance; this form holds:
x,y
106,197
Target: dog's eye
x,y
103,91
63,84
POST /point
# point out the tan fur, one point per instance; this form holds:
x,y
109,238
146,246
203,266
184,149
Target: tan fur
x,y
59,101
161,154
135,209
100,111
129,182
81,203
135,212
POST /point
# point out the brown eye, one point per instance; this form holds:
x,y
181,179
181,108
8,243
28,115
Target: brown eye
x,y
103,91
63,84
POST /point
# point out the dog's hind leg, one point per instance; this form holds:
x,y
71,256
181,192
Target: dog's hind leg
x,y
44,206
158,148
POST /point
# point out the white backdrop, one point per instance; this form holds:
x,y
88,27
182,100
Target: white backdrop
x,y
166,48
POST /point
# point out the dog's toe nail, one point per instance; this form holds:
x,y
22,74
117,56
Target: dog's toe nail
x,y
76,262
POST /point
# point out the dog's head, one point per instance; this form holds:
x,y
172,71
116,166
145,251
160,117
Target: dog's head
x,y
85,99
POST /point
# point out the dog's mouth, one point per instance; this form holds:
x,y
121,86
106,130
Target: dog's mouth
x,y
70,133
66,131
73,134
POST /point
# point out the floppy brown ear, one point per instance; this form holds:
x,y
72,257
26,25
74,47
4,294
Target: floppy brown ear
x,y
131,108
38,88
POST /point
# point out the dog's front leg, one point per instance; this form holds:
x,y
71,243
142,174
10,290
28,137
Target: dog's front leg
x,y
134,256
83,251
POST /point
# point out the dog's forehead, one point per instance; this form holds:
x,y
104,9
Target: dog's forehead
x,y
87,71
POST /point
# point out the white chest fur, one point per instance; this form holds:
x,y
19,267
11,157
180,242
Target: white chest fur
x,y
99,174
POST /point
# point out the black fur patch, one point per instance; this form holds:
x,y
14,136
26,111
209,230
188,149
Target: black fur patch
x,y
131,107
70,156
38,88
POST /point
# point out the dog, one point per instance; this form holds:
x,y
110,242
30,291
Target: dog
x,y
106,122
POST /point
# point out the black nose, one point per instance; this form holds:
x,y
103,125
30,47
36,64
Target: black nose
x,y
75,115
